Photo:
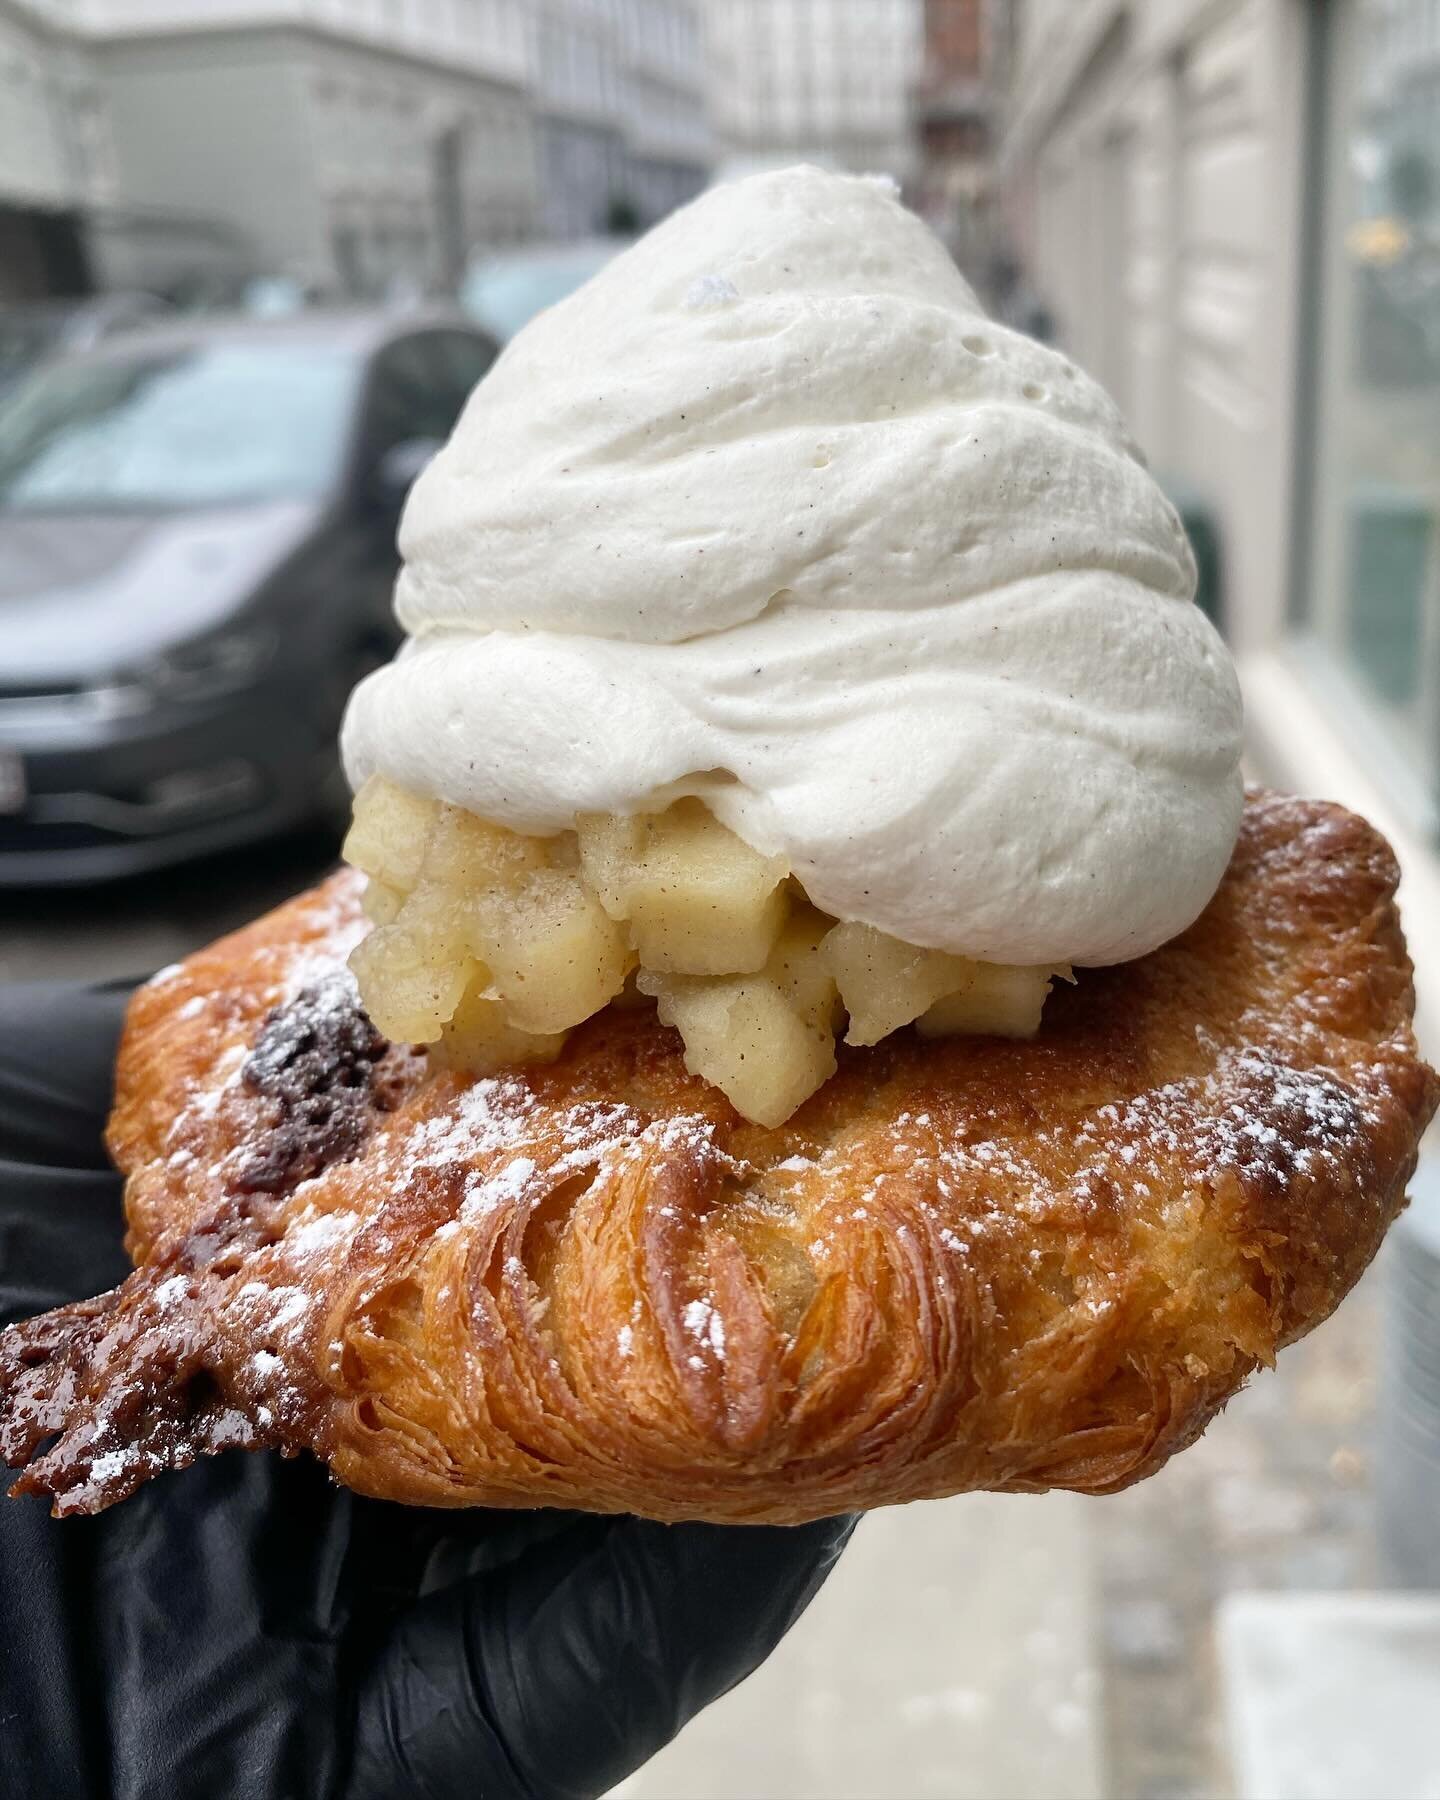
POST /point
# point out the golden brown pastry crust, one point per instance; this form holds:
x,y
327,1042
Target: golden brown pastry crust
x,y
963,1264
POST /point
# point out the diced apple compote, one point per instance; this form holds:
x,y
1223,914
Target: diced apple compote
x,y
767,1039
489,946
998,1000
464,908
479,1039
553,954
884,983
698,900
389,833
408,991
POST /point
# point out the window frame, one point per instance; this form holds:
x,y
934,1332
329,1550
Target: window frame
x,y
370,444
1405,761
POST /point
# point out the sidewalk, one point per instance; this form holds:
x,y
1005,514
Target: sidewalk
x,y
949,1656
1013,1648
1276,1497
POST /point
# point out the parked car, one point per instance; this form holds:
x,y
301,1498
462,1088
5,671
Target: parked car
x,y
197,550
501,293
28,333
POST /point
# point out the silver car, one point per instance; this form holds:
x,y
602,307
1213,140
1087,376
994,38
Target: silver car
x,y
197,549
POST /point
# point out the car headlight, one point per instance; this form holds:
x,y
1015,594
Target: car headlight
x,y
205,669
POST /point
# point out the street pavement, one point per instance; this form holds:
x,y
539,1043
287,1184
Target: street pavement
x,y
949,1657
135,927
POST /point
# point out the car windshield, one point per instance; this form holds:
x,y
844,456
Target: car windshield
x,y
214,425
504,295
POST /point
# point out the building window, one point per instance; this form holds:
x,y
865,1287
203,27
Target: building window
x,y
1369,589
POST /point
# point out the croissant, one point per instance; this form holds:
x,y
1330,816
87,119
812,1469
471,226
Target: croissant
x,y
963,1264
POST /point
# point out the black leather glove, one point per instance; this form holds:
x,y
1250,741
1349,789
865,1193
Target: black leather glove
x,y
246,1629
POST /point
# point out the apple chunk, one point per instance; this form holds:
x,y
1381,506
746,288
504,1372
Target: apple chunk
x,y
699,900
1000,1000
886,983
479,1039
388,833
766,1040
409,992
553,954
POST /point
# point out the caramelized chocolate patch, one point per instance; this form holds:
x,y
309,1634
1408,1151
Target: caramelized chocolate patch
x,y
315,1059
97,1397
123,1386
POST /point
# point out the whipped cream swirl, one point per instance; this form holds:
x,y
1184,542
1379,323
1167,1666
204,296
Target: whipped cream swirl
x,y
770,512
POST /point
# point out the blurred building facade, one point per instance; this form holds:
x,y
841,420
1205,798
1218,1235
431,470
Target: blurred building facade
x,y
620,100
356,147
1232,209
668,140
577,57
1152,160
55,162
359,146
826,81
962,73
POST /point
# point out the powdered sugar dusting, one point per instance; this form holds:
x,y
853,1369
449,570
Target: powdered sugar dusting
x,y
500,1189
702,1321
315,1233
107,1467
487,1116
206,1096
1255,1113
279,1313
322,961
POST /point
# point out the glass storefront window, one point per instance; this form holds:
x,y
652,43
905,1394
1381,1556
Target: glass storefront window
x,y
1372,587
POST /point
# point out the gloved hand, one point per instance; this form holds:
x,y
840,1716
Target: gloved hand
x,y
247,1630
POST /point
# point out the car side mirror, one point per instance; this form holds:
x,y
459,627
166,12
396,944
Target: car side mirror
x,y
396,471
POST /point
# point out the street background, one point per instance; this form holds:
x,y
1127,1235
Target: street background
x,y
1228,209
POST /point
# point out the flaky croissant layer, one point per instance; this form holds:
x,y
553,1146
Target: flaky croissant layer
x,y
964,1263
